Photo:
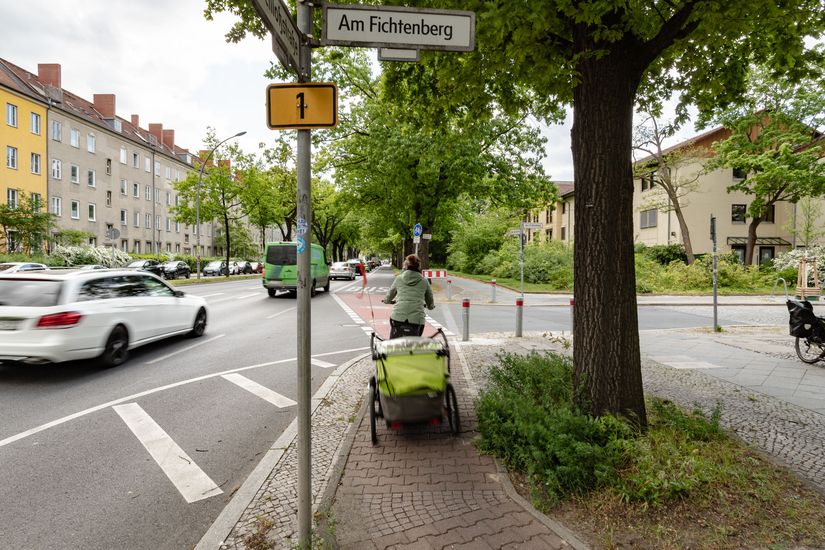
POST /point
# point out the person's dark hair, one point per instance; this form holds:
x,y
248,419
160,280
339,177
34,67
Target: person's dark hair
x,y
412,262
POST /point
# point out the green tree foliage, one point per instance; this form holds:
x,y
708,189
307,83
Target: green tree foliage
x,y
776,141
25,226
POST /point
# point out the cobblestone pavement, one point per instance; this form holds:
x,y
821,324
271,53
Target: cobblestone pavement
x,y
424,488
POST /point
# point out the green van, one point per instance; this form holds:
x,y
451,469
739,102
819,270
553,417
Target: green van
x,y
281,268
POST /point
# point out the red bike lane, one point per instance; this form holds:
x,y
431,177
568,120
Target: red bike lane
x,y
372,311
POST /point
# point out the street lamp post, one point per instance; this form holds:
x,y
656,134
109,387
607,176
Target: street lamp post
x,y
198,201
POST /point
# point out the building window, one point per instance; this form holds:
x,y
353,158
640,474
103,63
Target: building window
x,y
124,216
168,247
35,123
739,174
737,213
136,190
157,195
37,202
177,227
168,225
35,163
57,169
90,143
75,210
766,255
137,219
124,244
90,178
11,157
57,206
108,198
564,233
123,155
75,138
770,215
147,164
92,213
157,168
57,130
177,200
157,222
168,198
135,160
12,241
148,221
186,237
108,167
168,172
74,173
11,198
564,208
124,187
148,193
11,114
647,218
648,181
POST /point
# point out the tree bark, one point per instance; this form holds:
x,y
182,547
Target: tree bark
x,y
751,244
607,362
226,226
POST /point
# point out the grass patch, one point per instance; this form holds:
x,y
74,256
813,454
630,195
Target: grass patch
x,y
681,483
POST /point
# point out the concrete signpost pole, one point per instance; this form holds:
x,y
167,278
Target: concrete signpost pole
x,y
304,222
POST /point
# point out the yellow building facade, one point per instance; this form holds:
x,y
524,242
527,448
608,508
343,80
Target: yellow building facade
x,y
23,130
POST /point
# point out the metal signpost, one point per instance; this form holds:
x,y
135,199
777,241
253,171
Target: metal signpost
x,y
309,105
715,273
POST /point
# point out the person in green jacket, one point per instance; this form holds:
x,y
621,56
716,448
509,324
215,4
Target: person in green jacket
x,y
411,292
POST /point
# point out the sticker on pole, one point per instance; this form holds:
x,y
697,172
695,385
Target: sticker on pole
x,y
302,226
302,245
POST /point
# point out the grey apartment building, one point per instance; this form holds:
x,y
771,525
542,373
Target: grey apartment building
x,y
105,172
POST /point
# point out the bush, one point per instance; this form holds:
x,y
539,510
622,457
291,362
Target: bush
x,y
86,254
665,254
527,418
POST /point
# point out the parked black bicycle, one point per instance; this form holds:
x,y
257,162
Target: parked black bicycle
x,y
809,330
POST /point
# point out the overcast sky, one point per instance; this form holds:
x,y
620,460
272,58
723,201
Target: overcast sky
x,y
167,64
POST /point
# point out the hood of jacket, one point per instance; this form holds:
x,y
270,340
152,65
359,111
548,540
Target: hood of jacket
x,y
410,277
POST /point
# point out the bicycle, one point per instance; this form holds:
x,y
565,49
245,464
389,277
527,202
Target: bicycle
x,y
809,330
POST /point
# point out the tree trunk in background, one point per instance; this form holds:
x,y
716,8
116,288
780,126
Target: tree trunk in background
x,y
607,363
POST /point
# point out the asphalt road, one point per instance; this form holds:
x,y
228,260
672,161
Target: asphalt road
x,y
148,454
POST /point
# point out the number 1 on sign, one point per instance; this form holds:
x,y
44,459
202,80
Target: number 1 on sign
x,y
301,104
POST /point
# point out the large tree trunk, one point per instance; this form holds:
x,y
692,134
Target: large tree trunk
x,y
226,226
683,229
751,244
607,363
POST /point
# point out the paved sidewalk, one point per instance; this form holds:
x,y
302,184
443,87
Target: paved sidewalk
x,y
427,489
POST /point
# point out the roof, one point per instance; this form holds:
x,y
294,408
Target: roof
x,y
759,241
29,84
565,188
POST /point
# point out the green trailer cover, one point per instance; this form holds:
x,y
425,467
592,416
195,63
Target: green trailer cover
x,y
411,365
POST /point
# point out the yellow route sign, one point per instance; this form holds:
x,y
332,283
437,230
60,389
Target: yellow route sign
x,y
302,106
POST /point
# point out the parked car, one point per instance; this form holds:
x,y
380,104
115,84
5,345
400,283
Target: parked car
x,y
175,269
358,266
152,266
257,267
215,268
342,270
15,267
241,267
52,316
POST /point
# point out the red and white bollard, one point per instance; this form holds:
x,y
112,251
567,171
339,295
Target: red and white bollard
x,y
493,286
519,316
449,289
572,319
465,317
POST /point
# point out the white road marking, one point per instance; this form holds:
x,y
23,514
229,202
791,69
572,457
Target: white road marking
x,y
190,480
322,364
281,312
210,295
168,355
249,295
90,410
263,392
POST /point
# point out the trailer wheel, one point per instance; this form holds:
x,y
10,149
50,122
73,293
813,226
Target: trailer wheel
x,y
451,407
373,391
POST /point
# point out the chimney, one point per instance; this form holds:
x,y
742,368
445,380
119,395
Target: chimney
x,y
105,104
49,74
169,138
156,130
136,121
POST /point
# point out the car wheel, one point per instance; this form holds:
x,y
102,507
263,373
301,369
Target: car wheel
x,y
326,286
271,292
188,273
117,348
199,327
312,289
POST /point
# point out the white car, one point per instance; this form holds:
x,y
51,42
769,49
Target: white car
x,y
53,316
15,267
342,270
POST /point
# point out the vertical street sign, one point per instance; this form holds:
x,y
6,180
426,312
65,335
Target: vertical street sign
x,y
286,38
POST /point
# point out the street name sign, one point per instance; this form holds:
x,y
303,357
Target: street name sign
x,y
514,233
286,38
398,27
398,54
532,225
302,106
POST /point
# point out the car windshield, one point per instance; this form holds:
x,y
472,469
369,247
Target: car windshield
x,y
4,267
29,292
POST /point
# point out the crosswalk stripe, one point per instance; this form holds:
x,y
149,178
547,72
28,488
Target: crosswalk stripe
x,y
322,364
261,391
188,478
